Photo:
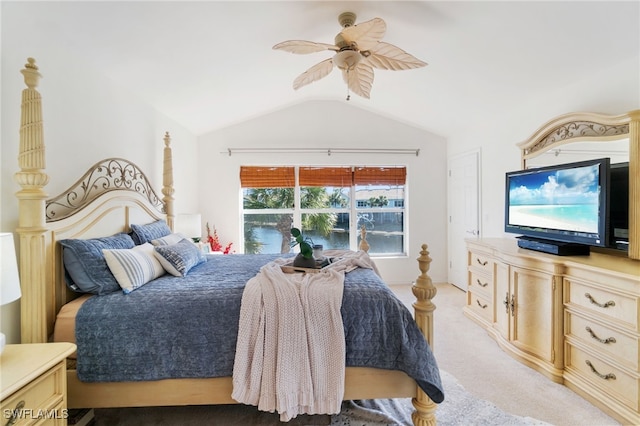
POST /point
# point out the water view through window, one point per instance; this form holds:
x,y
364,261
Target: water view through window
x,y
332,215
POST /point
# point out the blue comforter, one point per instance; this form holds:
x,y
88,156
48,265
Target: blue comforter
x,y
187,327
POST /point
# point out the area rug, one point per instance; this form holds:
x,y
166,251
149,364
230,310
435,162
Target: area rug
x,y
458,408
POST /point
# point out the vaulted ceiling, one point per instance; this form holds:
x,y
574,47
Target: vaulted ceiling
x,y
210,64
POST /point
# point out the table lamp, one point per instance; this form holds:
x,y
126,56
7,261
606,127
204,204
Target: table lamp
x,y
9,278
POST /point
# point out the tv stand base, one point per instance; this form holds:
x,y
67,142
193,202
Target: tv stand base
x,y
553,247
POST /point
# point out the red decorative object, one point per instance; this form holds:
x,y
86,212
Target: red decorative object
x,y
214,241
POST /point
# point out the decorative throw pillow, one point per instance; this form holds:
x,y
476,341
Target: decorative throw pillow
x,y
145,233
179,258
134,267
86,271
168,240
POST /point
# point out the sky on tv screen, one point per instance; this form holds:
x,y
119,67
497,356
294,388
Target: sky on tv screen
x,y
556,187
565,199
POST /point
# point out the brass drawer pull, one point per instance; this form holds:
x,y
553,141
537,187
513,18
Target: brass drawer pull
x,y
513,305
481,262
481,284
15,414
594,336
481,305
609,376
601,305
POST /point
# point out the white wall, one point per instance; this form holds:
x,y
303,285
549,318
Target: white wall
x,y
615,90
86,119
326,124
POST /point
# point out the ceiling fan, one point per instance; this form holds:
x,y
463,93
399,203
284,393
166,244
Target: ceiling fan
x,y
359,50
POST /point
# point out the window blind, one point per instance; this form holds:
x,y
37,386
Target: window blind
x,y
267,177
284,177
325,176
380,175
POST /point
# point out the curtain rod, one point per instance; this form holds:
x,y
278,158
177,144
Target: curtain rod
x,y
327,151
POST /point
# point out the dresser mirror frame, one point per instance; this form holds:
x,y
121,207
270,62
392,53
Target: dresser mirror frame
x,y
586,127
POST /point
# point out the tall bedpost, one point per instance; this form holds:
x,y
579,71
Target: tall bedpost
x,y
424,290
31,212
167,181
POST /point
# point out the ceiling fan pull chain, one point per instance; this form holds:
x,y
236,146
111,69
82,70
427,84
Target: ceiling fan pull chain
x,y
348,94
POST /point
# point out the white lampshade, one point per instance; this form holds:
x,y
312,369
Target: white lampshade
x,y
189,224
9,278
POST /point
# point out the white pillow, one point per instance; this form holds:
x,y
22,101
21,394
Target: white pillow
x,y
134,267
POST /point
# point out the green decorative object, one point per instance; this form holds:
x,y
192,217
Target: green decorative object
x,y
304,259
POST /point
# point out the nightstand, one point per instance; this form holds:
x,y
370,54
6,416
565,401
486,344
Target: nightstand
x,y
33,383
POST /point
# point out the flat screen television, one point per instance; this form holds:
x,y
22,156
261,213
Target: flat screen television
x,y
560,209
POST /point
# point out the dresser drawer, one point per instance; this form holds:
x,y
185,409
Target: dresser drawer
x,y
38,399
480,284
480,305
612,344
613,381
481,263
610,306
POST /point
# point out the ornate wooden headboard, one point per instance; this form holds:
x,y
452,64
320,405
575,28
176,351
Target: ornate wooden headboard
x,y
110,196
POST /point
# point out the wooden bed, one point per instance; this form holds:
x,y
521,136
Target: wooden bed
x,y
108,199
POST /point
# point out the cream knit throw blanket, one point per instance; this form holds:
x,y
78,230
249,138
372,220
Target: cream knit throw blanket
x,y
290,352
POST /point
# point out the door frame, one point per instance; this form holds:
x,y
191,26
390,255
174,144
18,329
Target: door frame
x,y
477,153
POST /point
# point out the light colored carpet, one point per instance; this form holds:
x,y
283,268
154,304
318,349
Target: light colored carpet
x,y
466,351
459,408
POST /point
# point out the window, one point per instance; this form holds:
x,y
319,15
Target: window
x,y
329,204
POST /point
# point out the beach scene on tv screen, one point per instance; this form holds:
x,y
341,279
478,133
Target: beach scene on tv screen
x,y
565,199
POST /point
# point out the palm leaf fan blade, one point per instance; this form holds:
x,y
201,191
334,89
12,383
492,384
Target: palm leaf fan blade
x,y
303,47
314,73
389,57
360,79
365,34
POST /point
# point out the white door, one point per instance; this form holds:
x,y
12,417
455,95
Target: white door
x,y
464,208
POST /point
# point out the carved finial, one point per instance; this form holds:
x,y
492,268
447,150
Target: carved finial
x,y
424,261
167,139
424,290
31,74
31,155
364,245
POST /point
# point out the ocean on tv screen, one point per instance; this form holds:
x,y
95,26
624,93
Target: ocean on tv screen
x,y
577,218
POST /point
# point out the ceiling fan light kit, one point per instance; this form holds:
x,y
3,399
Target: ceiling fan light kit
x,y
359,49
346,59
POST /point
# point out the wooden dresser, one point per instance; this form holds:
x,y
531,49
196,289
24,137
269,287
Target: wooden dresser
x,y
33,383
575,319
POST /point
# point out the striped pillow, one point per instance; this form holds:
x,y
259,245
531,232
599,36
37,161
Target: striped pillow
x,y
134,267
